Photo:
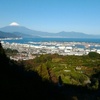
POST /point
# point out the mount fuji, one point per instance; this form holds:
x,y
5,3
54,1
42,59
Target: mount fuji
x,y
22,31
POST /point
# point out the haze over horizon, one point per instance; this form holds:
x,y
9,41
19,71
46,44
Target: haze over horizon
x,y
52,15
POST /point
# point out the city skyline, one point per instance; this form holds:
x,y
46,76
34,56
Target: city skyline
x,y
52,15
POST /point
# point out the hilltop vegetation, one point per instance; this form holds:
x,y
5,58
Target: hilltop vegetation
x,y
75,70
50,77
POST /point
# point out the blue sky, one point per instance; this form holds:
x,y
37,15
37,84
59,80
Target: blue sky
x,y
52,15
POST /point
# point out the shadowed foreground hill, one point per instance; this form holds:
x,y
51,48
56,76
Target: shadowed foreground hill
x,y
18,83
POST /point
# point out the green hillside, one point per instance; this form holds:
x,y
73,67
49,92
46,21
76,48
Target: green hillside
x,y
75,70
50,77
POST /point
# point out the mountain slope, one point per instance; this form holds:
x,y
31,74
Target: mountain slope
x,y
25,32
8,35
75,35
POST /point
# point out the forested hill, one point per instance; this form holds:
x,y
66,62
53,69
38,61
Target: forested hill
x,y
17,82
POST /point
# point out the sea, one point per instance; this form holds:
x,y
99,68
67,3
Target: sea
x,y
27,40
93,41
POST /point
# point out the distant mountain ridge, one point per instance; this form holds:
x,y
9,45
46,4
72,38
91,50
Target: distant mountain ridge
x,y
8,35
25,32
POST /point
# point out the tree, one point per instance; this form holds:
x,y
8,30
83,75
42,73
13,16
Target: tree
x,y
94,55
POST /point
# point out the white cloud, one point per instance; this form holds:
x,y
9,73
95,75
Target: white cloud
x,y
14,24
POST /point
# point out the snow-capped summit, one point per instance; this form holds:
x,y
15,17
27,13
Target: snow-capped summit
x,y
14,24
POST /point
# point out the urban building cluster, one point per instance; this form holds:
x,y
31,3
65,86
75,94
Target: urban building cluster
x,y
26,51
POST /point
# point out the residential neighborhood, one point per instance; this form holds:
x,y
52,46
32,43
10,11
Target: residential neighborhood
x,y
26,51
